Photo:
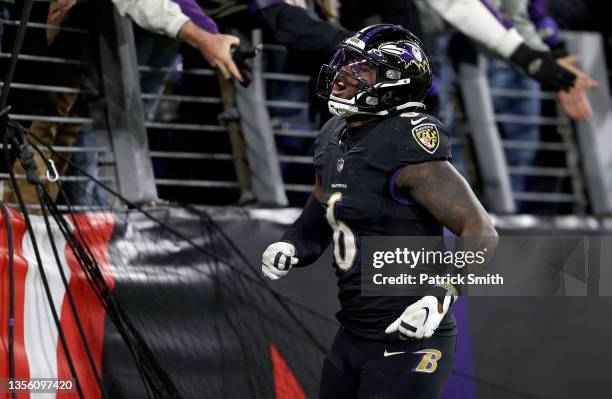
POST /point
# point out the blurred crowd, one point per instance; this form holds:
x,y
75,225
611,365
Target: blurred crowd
x,y
517,40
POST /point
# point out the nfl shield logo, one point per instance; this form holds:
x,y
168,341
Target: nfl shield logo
x,y
340,165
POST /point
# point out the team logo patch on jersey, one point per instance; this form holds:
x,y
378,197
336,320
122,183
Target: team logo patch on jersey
x,y
427,136
340,165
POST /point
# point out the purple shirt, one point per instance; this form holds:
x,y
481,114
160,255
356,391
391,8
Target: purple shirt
x,y
191,9
546,26
537,9
503,20
255,5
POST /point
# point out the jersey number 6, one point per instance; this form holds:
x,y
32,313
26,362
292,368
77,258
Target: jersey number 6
x,y
345,242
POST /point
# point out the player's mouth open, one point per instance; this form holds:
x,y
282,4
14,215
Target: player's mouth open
x,y
340,87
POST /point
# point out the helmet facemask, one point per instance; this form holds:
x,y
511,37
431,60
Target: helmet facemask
x,y
348,82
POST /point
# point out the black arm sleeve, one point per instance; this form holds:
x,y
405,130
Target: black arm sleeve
x,y
310,233
297,29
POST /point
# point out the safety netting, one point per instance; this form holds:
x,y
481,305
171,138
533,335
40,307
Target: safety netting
x,y
128,301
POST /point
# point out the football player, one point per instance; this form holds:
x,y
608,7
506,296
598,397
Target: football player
x,y
382,169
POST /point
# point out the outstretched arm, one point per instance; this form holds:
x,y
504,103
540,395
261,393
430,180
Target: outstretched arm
x,y
166,17
482,22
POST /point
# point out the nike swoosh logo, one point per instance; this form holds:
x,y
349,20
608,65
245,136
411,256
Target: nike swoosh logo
x,y
387,354
417,121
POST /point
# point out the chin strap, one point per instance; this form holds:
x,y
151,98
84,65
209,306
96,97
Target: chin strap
x,y
345,110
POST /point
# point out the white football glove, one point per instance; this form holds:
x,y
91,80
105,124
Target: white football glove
x,y
277,259
422,318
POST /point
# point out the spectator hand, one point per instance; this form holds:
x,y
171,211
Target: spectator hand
x,y
541,66
59,8
575,102
583,80
215,48
241,59
217,52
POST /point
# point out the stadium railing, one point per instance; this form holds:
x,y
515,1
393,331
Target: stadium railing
x,y
199,170
29,86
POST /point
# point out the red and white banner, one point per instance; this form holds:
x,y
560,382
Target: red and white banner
x,y
38,351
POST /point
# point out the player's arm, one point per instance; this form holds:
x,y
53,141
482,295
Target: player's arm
x,y
439,188
310,234
303,242
485,24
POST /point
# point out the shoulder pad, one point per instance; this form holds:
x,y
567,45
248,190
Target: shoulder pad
x,y
382,145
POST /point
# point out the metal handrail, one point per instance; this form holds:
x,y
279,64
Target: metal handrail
x,y
48,88
533,145
191,155
61,178
52,119
39,58
45,26
299,188
295,159
544,197
530,120
287,77
185,126
181,98
197,183
539,171
287,104
188,71
74,149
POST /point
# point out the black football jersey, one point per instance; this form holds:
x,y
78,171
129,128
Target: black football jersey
x,y
357,169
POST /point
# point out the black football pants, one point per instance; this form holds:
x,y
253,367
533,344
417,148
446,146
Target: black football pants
x,y
412,369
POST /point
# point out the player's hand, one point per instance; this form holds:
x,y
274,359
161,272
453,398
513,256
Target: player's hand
x,y
277,259
542,66
422,318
